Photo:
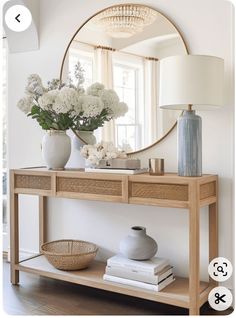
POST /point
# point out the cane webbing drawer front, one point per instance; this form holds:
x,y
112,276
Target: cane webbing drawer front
x,y
178,192
36,182
89,186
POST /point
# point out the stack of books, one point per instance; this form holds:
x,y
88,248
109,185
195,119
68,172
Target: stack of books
x,y
154,274
118,171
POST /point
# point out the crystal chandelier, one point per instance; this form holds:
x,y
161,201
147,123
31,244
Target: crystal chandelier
x,y
123,21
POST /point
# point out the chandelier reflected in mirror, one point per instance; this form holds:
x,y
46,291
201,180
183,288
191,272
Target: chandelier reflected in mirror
x,y
124,21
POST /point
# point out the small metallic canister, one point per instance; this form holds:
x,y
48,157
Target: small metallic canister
x,y
156,167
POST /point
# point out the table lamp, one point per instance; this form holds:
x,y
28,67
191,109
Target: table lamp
x,y
188,82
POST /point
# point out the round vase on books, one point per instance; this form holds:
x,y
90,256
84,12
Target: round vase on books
x,y
138,245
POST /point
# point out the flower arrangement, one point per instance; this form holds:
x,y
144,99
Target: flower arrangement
x,y
97,106
102,150
61,106
51,106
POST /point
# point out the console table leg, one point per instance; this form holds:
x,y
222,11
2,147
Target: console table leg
x,y
14,233
194,250
42,215
213,236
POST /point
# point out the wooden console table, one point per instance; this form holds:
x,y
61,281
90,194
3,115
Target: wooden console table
x,y
169,190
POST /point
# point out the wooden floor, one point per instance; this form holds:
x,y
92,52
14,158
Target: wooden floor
x,y
44,296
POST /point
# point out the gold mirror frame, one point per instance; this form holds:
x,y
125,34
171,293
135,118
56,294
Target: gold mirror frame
x,y
68,46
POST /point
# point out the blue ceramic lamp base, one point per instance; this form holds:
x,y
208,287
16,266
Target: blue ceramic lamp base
x,y
189,144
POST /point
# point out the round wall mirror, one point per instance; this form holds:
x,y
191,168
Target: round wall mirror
x,y
120,47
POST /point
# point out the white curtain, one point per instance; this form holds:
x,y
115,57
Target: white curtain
x,y
104,75
153,127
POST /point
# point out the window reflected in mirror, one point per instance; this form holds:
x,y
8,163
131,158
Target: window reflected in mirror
x,y
127,62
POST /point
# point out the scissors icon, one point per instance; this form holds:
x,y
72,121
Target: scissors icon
x,y
219,298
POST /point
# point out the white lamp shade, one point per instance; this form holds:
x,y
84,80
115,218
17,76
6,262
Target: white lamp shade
x,y
195,80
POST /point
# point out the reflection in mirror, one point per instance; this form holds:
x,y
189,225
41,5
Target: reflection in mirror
x,y
121,48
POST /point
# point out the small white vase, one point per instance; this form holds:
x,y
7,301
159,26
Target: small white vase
x,y
77,143
56,149
138,245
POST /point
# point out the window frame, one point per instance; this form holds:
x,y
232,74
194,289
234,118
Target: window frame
x,y
137,68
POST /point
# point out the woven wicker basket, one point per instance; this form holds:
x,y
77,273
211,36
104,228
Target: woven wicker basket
x,y
69,254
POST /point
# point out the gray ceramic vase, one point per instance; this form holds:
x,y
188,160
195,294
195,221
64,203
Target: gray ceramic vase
x,y
138,245
189,144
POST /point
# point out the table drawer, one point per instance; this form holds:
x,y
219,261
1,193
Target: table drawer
x,y
103,187
93,188
32,182
160,191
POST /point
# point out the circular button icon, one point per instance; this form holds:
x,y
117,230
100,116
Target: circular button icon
x,y
220,298
18,18
220,269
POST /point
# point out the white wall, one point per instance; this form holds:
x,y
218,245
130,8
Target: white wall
x,y
206,26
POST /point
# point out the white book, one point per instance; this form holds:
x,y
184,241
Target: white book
x,y
139,276
119,171
135,283
154,265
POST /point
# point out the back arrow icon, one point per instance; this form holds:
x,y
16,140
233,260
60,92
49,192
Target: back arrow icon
x,y
17,18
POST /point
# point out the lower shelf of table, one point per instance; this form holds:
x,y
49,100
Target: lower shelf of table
x,y
176,294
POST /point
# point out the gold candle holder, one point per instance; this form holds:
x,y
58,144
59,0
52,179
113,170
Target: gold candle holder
x,y
156,167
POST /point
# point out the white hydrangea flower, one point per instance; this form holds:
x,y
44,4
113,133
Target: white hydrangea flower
x,y
95,89
34,86
85,151
91,105
110,99
47,100
120,109
92,150
66,100
25,104
102,150
101,154
80,90
93,160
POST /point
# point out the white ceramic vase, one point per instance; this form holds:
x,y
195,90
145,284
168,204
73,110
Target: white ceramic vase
x,y
77,143
138,245
56,149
